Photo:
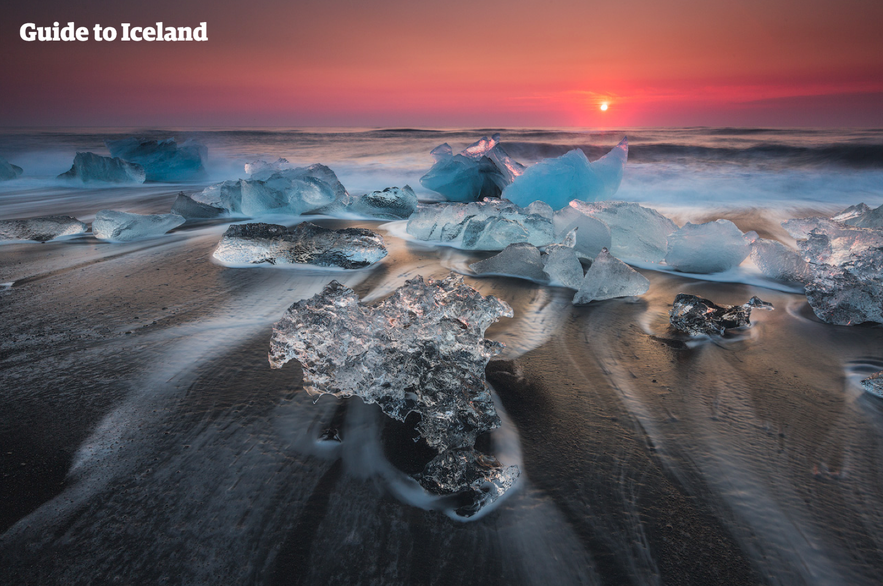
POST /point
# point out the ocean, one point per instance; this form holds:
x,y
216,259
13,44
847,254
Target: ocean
x,y
146,440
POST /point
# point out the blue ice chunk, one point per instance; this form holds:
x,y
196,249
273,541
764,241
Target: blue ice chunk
x,y
712,247
163,160
89,167
481,170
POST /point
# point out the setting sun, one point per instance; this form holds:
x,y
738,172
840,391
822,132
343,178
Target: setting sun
x,y
604,106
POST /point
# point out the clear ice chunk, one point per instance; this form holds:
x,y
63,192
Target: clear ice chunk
x,y
40,229
561,265
422,350
492,224
636,233
697,316
262,170
777,261
592,234
570,177
162,160
712,247
305,243
874,384
518,260
89,167
481,170
194,210
8,170
391,203
126,226
609,277
291,192
861,216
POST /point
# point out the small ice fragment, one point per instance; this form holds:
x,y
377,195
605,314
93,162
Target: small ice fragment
x,y
592,235
194,210
125,226
874,384
758,303
89,167
391,203
40,229
570,177
609,277
777,261
422,350
636,233
518,260
162,160
712,247
306,243
8,170
561,265
696,316
481,170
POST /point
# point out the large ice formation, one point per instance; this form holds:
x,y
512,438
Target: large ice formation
x,y
8,170
874,384
481,170
125,226
422,350
518,260
636,233
570,177
40,229
193,210
696,316
486,225
291,192
89,167
609,277
777,261
391,203
163,160
712,247
305,243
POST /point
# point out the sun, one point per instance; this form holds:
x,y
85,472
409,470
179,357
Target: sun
x,y
604,106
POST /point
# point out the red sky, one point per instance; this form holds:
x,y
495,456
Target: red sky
x,y
444,64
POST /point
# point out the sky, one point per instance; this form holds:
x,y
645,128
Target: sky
x,y
511,63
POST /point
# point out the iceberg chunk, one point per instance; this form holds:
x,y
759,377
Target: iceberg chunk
x,y
89,167
874,384
40,229
861,216
777,261
592,235
481,170
8,170
193,210
609,277
636,233
561,265
518,260
712,247
391,203
162,160
277,195
422,350
697,316
125,226
570,177
306,243
262,170
486,225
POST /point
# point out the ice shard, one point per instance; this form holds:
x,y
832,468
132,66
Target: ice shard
x,y
609,277
487,225
570,177
422,350
305,243
697,316
874,384
481,170
518,260
712,247
193,210
391,203
89,168
41,229
636,233
8,170
124,226
162,160
777,261
561,264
